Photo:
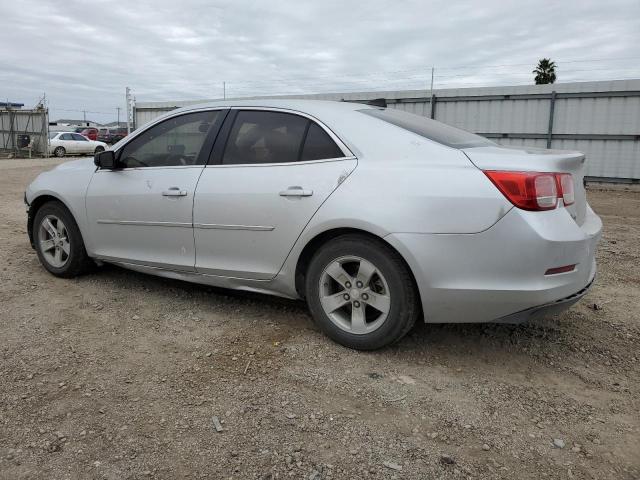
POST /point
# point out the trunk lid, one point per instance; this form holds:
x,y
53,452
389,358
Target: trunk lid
x,y
525,159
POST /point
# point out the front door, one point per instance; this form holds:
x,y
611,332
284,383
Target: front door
x,y
68,143
273,174
141,213
81,144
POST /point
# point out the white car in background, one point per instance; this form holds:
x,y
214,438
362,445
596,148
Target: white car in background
x,y
69,143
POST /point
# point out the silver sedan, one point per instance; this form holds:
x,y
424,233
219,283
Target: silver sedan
x,y
375,216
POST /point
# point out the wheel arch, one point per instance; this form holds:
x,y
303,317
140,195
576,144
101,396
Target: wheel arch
x,y
322,238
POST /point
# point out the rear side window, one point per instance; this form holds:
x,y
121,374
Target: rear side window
x,y
259,137
264,137
425,127
318,145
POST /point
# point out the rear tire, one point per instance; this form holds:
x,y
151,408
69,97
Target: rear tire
x,y
361,293
60,152
98,150
58,241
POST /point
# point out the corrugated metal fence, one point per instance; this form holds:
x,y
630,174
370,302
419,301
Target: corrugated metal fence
x,y
34,123
601,119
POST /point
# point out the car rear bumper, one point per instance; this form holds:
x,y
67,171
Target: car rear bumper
x,y
546,310
499,274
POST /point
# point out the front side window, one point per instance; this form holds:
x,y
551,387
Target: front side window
x,y
259,137
176,141
425,127
79,138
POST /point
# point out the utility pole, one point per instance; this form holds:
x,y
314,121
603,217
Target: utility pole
x,y
118,110
84,116
129,109
45,127
431,92
224,90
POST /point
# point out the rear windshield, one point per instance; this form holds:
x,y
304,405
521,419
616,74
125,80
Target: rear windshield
x,y
425,127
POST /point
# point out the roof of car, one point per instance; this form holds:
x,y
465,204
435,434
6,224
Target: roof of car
x,y
312,107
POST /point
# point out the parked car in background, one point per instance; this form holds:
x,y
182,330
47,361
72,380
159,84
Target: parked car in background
x,y
118,134
375,216
111,135
89,132
104,135
71,143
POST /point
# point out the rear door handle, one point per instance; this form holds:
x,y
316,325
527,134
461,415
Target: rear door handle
x,y
174,192
296,192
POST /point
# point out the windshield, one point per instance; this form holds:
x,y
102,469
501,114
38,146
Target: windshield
x,y
425,127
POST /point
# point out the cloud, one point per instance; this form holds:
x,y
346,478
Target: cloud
x,y
83,55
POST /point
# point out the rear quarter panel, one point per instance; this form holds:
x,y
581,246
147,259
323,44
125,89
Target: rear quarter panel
x,y
408,185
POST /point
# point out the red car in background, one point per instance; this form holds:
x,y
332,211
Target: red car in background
x,y
89,132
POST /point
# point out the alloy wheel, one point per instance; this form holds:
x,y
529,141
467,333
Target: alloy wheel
x,y
54,241
354,295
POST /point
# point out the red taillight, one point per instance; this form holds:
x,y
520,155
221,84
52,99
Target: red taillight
x,y
527,190
565,188
534,190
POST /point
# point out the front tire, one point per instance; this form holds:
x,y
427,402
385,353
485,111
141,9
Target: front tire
x,y
361,293
58,241
60,152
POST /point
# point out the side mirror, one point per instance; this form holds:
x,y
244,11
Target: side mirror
x,y
105,160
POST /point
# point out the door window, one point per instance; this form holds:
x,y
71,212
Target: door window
x,y
66,136
265,137
276,137
79,138
173,142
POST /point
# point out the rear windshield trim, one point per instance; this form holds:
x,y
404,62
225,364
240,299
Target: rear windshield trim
x,y
425,127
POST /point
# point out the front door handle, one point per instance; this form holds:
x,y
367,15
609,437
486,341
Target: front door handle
x,y
174,192
296,192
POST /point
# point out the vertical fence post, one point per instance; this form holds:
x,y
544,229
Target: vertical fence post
x,y
552,107
433,106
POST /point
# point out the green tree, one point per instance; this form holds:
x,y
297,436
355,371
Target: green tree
x,y
545,72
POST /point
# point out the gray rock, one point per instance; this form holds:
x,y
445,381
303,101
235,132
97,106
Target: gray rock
x,y
447,459
392,466
216,424
558,443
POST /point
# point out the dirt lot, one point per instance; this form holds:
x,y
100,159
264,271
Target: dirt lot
x,y
118,375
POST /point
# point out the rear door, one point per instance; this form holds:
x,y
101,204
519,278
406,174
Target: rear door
x,y
271,171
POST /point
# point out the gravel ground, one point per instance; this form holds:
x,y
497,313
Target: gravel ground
x,y
118,375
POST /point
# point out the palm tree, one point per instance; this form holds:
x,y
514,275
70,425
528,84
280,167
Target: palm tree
x,y
545,72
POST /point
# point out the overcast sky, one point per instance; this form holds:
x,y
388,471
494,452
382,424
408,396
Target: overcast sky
x,y
84,54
